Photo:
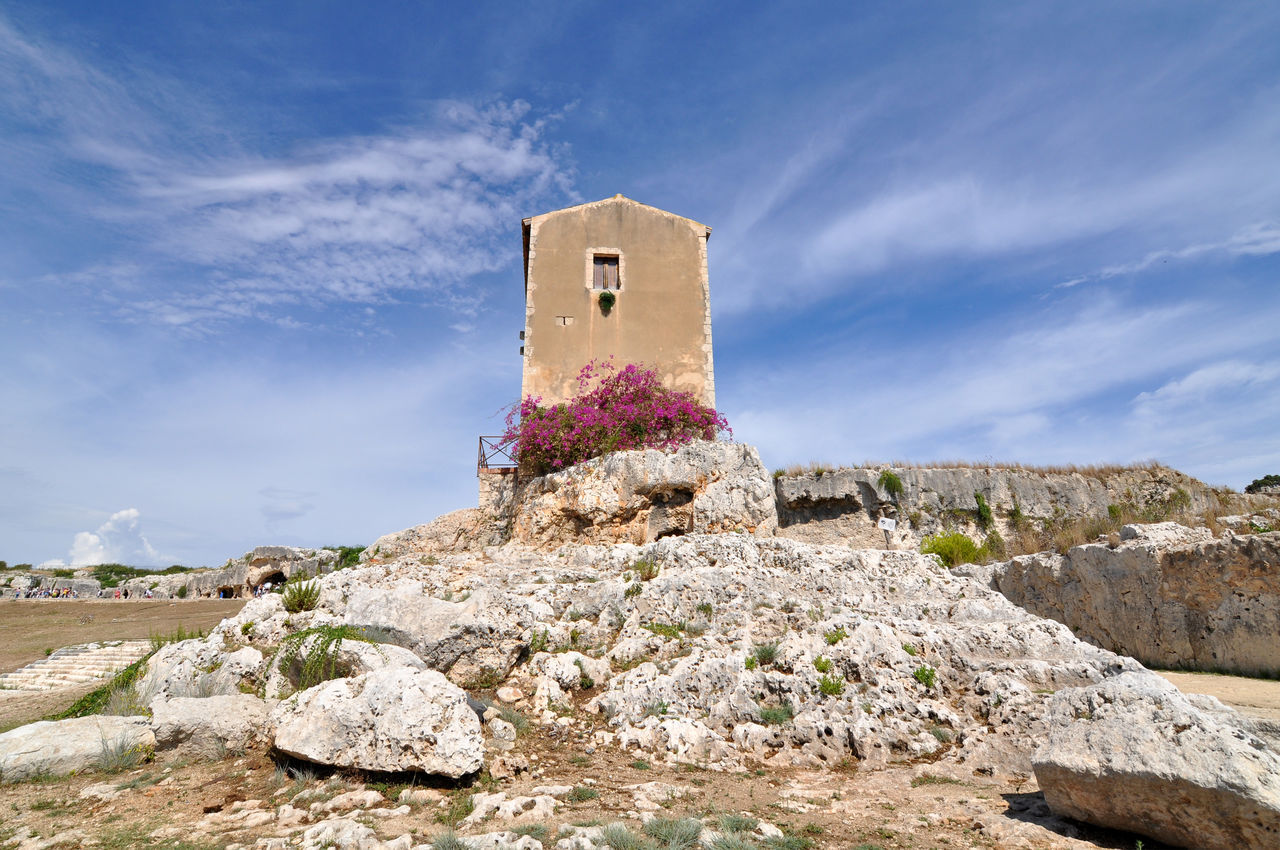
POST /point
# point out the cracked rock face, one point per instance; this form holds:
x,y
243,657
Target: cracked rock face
x,y
1171,596
1135,754
392,719
717,649
60,747
641,496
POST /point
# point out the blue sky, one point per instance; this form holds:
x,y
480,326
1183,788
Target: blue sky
x,y
260,263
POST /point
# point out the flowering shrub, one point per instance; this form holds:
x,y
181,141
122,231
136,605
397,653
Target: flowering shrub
x,y
626,409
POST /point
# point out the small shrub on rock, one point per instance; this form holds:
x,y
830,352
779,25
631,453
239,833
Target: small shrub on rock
x,y
777,715
832,686
738,823
953,548
890,483
625,410
581,793
926,675
765,653
675,833
646,569
301,596
984,511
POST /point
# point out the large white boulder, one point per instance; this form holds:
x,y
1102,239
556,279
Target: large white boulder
x,y
393,719
209,727
59,747
1133,753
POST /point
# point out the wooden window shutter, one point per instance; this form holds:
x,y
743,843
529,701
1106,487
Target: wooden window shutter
x,y
604,272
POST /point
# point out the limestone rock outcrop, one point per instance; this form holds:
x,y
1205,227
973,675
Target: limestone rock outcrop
x,y
1170,596
843,505
1133,753
394,719
467,530
209,727
641,496
60,747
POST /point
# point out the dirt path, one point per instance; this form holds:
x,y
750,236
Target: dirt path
x,y
1258,697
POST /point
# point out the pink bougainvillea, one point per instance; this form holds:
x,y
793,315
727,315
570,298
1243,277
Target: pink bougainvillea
x,y
627,408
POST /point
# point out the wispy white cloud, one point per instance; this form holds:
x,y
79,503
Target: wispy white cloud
x,y
280,505
1195,391
1043,170
1258,239
1057,389
220,234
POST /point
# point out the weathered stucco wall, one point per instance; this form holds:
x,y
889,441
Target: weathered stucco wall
x,y
662,316
1170,596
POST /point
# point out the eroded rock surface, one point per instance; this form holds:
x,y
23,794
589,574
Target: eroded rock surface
x,y
1170,596
59,747
641,496
705,648
1134,753
843,505
393,719
209,727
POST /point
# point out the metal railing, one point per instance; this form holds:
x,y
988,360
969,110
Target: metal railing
x,y
494,456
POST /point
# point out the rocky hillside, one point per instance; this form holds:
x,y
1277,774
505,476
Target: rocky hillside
x,y
713,648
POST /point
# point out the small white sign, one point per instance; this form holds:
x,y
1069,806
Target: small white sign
x,y
888,524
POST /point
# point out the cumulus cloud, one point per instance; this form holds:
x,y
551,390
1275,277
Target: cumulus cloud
x,y
119,540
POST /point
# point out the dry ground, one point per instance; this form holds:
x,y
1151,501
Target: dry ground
x,y
1257,697
903,807
28,627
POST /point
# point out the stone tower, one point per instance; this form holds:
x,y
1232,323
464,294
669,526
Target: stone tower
x,y
652,266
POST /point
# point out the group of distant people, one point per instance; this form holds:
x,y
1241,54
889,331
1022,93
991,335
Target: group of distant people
x,y
69,593
46,593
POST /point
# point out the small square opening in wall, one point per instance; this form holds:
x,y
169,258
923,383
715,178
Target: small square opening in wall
x,y
564,321
604,272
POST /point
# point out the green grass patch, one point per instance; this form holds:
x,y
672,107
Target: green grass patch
x,y
777,715
581,794
765,653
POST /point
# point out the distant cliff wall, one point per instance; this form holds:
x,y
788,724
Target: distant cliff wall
x,y
1165,594
843,505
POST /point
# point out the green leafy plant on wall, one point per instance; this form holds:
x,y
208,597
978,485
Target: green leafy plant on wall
x,y
890,483
607,300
